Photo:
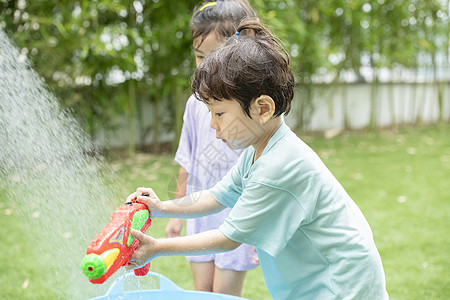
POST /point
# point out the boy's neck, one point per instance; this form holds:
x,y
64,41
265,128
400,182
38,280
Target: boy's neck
x,y
269,130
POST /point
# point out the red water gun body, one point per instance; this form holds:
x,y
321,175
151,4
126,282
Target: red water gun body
x,y
113,247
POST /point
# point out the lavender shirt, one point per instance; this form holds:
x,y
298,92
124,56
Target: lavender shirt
x,y
207,160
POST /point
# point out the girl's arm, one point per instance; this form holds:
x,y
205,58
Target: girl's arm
x,y
207,242
192,206
174,226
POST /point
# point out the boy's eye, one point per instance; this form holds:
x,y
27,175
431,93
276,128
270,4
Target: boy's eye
x,y
200,57
219,114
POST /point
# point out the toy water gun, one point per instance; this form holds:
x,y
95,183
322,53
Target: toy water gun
x,y
113,246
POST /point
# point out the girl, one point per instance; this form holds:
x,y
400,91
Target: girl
x,y
313,242
204,160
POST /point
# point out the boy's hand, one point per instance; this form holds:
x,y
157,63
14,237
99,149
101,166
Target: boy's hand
x,y
152,201
145,252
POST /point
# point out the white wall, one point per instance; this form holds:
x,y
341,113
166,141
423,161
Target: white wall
x,y
399,103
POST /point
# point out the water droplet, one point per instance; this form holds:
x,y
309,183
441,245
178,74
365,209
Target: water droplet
x,y
401,199
25,283
411,151
67,235
357,176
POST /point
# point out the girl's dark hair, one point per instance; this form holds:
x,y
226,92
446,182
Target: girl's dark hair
x,y
251,64
222,17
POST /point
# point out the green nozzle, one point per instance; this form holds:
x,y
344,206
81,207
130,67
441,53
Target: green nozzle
x,y
93,266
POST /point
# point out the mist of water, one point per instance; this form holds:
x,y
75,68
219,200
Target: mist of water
x,y
50,174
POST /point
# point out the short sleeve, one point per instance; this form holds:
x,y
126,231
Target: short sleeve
x,y
264,216
184,151
229,189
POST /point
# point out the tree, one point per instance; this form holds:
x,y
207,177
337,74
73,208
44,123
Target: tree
x,y
105,57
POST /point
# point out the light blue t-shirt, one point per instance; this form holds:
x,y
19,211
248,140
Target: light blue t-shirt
x,y
313,242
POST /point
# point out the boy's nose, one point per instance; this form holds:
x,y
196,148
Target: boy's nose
x,y
213,124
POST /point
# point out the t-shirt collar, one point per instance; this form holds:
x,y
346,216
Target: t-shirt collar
x,y
280,133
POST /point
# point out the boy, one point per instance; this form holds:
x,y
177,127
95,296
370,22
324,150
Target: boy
x,y
313,242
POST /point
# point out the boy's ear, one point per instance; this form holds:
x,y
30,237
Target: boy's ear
x,y
265,106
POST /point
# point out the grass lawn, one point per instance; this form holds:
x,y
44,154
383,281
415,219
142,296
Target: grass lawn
x,y
400,180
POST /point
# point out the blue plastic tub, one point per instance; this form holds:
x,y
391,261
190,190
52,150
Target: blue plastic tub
x,y
168,290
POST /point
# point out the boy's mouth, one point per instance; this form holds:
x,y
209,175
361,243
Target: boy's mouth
x,y
219,138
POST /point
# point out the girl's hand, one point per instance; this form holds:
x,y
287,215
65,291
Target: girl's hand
x,y
174,227
152,201
255,259
145,252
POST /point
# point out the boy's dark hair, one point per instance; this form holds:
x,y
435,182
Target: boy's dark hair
x,y
222,17
251,64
